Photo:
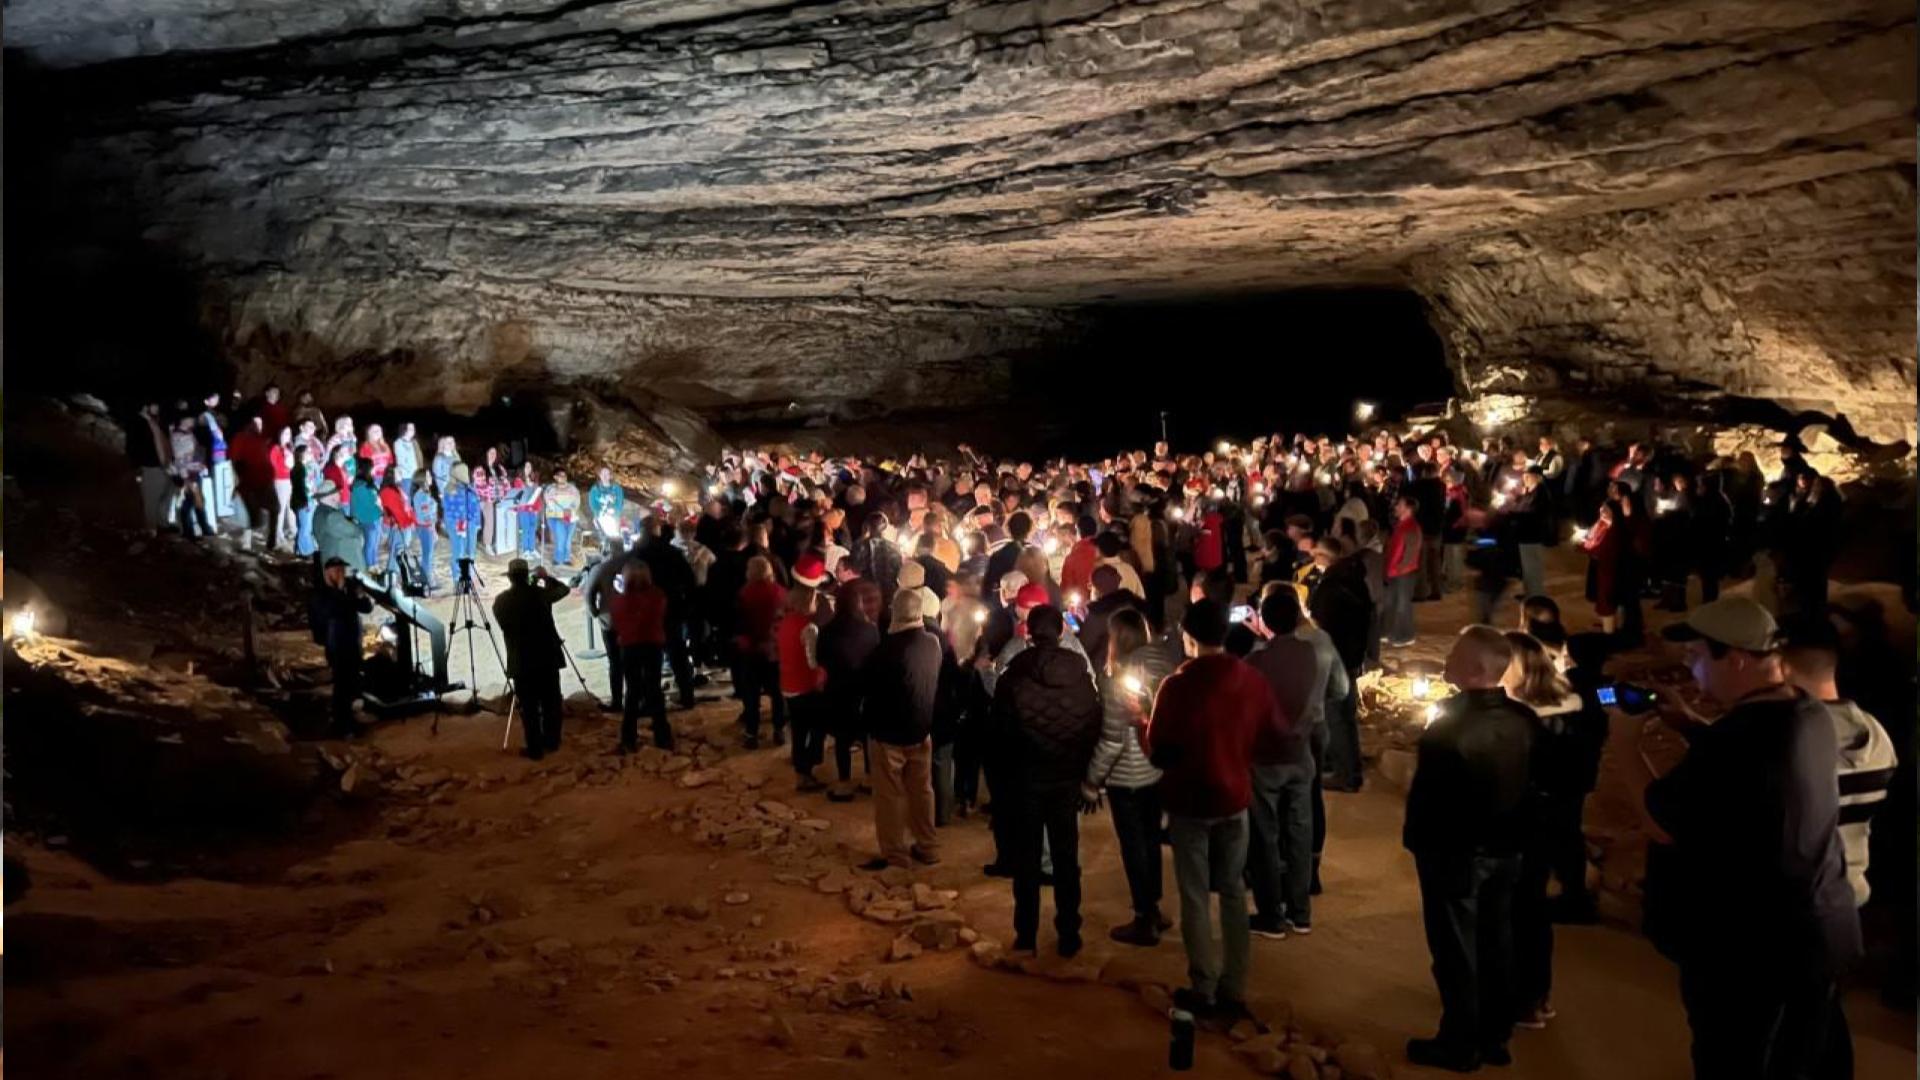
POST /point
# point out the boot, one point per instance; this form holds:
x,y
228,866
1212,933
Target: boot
x,y
1140,932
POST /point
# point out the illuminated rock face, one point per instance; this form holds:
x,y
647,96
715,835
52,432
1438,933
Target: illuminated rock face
x,y
741,205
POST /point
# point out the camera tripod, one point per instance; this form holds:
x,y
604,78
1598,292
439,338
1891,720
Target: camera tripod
x,y
470,617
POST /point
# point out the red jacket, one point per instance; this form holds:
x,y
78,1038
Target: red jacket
x,y
639,616
1207,718
393,504
796,675
1403,549
760,605
1076,573
1208,552
281,458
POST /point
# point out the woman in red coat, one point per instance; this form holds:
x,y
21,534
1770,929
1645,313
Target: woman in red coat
x,y
802,680
757,671
639,610
1602,546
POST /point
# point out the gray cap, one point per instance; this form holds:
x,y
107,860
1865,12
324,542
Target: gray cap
x,y
1734,621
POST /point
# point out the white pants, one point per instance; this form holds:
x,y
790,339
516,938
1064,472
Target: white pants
x,y
282,533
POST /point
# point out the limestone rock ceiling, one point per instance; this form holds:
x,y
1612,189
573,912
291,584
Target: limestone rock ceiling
x,y
574,159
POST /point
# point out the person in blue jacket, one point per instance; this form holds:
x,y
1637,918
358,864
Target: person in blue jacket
x,y
426,519
364,507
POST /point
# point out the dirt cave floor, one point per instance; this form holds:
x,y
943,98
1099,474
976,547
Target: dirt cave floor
x,y
596,916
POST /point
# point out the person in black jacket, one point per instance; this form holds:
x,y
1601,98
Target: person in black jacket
x,y
1343,606
1108,597
1046,721
534,657
1712,536
1752,899
337,606
1467,814
902,687
1531,522
1430,510
673,575
846,643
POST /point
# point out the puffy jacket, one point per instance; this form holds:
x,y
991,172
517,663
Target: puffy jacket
x,y
1118,760
1046,718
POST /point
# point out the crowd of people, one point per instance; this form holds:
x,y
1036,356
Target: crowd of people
x,y
1179,638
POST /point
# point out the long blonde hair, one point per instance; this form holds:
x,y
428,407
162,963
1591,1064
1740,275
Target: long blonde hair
x,y
1532,678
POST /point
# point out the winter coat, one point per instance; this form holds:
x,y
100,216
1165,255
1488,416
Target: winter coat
x,y
1304,670
1345,610
902,680
1046,718
462,510
525,615
1207,718
1472,782
1118,760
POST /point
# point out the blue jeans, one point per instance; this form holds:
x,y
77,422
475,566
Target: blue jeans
x,y
370,545
425,533
1210,855
1280,858
459,546
1343,765
1533,569
562,531
303,544
528,523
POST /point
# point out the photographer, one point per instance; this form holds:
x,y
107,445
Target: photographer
x,y
335,612
534,657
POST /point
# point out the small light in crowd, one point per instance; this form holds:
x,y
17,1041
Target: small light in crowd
x,y
1177,514
1665,505
980,615
1580,535
669,488
1259,500
1363,411
22,624
1223,447
1433,713
1499,499
713,491
1073,599
1258,487
1133,684
387,634
1050,545
1422,686
1218,493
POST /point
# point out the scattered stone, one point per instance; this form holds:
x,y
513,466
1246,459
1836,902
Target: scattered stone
x,y
552,948
1242,1031
895,877
987,952
835,881
815,823
1302,1067
904,947
968,935
698,778
779,1031
736,898
757,921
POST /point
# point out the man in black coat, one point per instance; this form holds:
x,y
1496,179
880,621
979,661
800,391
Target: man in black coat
x,y
1343,606
338,604
902,689
674,576
534,656
1045,723
1752,898
1430,510
1467,813
1108,597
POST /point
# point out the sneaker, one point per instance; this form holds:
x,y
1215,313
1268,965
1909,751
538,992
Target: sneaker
x,y
1070,947
1546,1011
1271,927
876,864
1531,1020
923,856
1139,932
1435,1054
1300,928
1230,1011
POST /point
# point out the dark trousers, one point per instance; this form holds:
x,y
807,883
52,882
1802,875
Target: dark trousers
x,y
1280,848
680,656
1005,818
1753,1020
1566,846
641,664
539,697
1430,575
346,691
1532,932
1049,816
616,676
843,723
808,714
1466,903
1136,823
942,783
754,675
1317,794
1342,761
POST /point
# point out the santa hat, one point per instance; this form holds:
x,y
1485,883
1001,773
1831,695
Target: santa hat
x,y
809,569
1031,595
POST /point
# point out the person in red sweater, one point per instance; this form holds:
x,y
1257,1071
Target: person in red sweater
x,y
1208,718
639,611
1076,572
802,680
396,513
1403,571
1209,541
757,649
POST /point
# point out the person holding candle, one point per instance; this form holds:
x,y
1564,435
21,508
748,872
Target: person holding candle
x,y
1131,670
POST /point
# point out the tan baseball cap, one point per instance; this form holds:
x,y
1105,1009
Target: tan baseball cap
x,y
1733,621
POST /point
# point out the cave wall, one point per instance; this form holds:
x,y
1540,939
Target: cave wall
x,y
1800,296
887,202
